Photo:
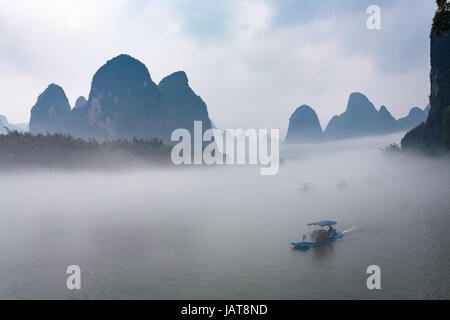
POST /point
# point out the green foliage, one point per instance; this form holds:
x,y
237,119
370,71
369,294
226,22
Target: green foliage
x,y
65,151
441,21
441,4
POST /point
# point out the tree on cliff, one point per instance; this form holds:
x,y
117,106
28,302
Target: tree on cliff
x,y
441,18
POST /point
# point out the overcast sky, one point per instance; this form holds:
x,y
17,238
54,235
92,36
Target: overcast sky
x,y
252,62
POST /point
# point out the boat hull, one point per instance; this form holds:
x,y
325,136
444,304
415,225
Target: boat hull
x,y
315,244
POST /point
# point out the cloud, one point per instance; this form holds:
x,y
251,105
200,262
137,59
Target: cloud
x,y
253,62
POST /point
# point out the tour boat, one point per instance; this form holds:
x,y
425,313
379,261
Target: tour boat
x,y
319,235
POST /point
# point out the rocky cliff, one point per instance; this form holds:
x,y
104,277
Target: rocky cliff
x,y
434,134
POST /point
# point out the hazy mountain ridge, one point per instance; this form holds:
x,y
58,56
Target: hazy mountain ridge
x,y
360,119
415,117
123,102
80,103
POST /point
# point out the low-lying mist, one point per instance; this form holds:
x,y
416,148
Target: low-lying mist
x,y
225,232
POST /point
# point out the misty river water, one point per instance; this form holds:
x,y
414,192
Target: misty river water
x,y
225,232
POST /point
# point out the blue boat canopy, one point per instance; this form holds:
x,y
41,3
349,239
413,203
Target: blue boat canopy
x,y
323,223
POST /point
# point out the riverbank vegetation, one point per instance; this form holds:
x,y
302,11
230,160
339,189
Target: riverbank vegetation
x,y
61,151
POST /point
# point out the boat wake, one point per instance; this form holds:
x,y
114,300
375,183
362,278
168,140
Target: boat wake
x,y
349,230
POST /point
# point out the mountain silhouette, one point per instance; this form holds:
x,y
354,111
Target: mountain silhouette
x,y
182,105
415,117
123,102
304,126
81,102
51,111
360,119
386,122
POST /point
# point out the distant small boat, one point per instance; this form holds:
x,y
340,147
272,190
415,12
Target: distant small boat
x,y
319,235
306,187
342,184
